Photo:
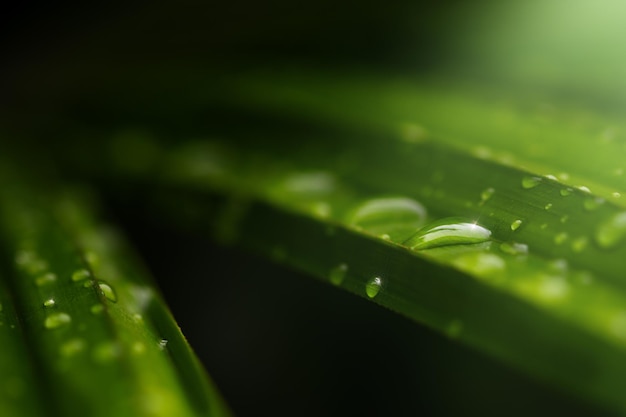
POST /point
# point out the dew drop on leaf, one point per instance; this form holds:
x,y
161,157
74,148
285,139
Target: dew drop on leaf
x,y
612,231
57,320
448,231
516,224
530,182
108,291
80,275
397,217
372,288
338,273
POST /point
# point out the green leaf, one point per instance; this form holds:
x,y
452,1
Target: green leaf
x,y
471,216
80,308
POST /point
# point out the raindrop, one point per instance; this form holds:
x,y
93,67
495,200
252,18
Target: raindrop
x,y
80,275
49,303
530,182
45,279
591,204
548,206
616,195
372,288
612,231
513,248
560,238
584,189
108,292
565,192
162,344
516,224
396,216
57,320
448,231
338,274
72,347
487,194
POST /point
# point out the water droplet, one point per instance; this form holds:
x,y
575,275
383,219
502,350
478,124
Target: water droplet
x,y
564,218
107,291
584,189
396,216
49,302
137,318
530,182
513,248
448,231
80,275
579,244
487,194
338,274
516,224
72,347
106,352
565,192
560,238
548,206
97,308
551,177
372,288
612,231
480,263
591,204
45,279
57,320
554,287
162,344
385,236
616,195
454,329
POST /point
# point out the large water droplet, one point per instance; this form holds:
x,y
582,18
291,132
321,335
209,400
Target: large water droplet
x,y
397,217
372,288
107,290
530,182
612,231
57,320
338,274
448,231
516,224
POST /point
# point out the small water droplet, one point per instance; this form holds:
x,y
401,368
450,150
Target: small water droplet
x,y
57,320
565,192
49,302
513,248
591,204
385,236
80,275
137,318
618,172
107,291
396,216
448,231
162,344
372,288
516,224
548,206
564,218
530,182
338,274
551,177
45,279
579,244
487,194
560,238
106,352
72,347
616,195
97,308
454,329
584,189
612,231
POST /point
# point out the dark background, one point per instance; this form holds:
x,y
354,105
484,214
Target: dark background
x,y
276,342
